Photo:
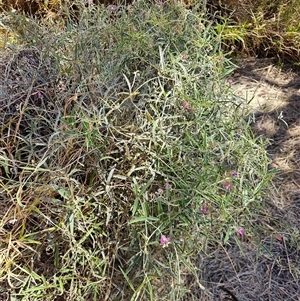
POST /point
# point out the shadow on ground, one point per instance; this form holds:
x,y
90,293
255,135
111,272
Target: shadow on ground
x,y
269,270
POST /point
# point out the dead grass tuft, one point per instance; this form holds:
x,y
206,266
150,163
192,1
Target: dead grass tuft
x,y
261,28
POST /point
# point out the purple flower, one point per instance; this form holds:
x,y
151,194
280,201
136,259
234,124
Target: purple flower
x,y
160,3
227,186
240,232
234,173
39,95
230,82
164,241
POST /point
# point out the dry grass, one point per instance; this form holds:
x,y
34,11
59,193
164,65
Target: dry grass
x,y
261,28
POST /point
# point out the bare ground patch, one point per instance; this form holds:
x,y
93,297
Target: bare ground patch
x,y
275,94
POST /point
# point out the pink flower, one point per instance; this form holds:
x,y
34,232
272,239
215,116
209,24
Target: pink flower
x,y
240,232
227,185
40,95
185,57
112,7
260,127
230,82
164,241
204,209
90,1
186,105
168,185
159,191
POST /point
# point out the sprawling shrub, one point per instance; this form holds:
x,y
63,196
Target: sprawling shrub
x,y
123,153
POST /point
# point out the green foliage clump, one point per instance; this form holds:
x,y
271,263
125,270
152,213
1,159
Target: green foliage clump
x,y
118,130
